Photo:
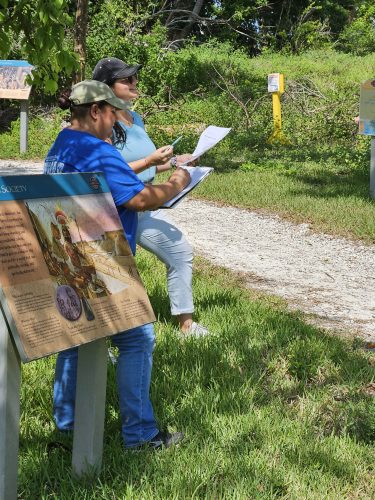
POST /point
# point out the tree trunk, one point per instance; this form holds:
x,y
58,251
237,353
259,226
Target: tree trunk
x,y
192,19
80,32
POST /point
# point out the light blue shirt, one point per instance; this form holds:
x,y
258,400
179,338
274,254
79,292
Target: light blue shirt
x,y
138,145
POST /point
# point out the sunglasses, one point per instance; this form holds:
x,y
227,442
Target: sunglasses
x,y
129,79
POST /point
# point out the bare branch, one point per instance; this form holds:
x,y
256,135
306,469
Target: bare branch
x,y
235,98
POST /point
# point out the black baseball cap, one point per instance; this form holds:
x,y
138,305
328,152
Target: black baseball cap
x,y
110,69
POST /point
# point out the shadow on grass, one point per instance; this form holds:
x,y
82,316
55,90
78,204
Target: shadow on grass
x,y
319,182
350,184
258,360
253,352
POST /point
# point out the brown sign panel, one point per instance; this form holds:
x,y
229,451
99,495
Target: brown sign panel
x,y
12,81
67,274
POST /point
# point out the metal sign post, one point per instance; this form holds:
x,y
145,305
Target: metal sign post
x,y
372,168
24,126
90,408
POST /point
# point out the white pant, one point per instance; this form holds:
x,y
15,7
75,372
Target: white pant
x,y
158,235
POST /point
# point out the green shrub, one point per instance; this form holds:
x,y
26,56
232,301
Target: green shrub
x,y
187,90
359,36
214,84
43,130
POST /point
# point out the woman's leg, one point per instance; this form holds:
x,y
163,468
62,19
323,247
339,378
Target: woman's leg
x,y
159,236
64,389
134,378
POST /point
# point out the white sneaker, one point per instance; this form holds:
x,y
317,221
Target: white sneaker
x,y
196,330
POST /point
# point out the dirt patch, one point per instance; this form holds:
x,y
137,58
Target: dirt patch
x,y
331,279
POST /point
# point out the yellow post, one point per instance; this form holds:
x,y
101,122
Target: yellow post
x,y
276,104
276,88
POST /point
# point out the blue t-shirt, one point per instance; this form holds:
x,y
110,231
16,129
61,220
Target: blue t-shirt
x,y
138,145
75,151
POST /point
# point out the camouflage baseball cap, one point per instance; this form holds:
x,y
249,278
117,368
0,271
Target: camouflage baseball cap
x,y
90,91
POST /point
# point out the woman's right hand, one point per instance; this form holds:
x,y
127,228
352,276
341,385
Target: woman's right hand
x,y
181,177
160,156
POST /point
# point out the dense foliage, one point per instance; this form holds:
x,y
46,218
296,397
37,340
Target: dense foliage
x,y
255,25
184,91
42,31
36,31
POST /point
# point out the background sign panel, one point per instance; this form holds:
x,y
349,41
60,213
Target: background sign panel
x,y
12,79
274,82
367,108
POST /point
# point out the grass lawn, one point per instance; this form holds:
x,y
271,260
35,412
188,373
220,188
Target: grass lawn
x,y
271,408
328,188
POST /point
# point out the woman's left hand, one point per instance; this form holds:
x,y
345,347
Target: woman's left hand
x,y
160,156
186,158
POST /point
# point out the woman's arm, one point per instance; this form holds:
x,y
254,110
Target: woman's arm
x,y
159,157
153,196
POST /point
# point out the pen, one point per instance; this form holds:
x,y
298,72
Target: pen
x,y
176,141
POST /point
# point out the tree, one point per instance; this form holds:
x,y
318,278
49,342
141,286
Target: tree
x,y
358,36
36,30
80,33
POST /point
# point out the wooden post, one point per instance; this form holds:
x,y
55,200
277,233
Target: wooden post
x,y
10,379
24,125
90,408
372,168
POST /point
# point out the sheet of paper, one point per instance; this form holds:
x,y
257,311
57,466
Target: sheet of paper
x,y
197,175
209,138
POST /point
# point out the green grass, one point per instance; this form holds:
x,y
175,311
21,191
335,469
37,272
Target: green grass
x,y
328,188
271,408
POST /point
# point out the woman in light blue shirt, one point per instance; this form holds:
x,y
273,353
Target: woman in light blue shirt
x,y
155,232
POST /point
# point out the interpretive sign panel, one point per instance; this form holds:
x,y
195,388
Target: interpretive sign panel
x,y
67,273
367,108
12,79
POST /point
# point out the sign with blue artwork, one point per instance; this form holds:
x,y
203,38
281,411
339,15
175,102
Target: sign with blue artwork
x,y
13,79
67,274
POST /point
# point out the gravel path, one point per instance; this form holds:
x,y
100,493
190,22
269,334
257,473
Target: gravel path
x,y
330,279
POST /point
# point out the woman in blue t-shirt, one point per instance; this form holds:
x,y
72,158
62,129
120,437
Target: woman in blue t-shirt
x,y
155,232
82,148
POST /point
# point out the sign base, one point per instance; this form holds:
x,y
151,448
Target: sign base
x,y
10,380
279,138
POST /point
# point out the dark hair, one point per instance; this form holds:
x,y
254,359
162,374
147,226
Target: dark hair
x,y
63,100
118,136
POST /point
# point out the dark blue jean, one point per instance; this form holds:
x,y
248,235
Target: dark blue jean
x,y
133,380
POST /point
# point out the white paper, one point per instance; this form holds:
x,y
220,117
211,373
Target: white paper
x,y
208,139
197,175
273,82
